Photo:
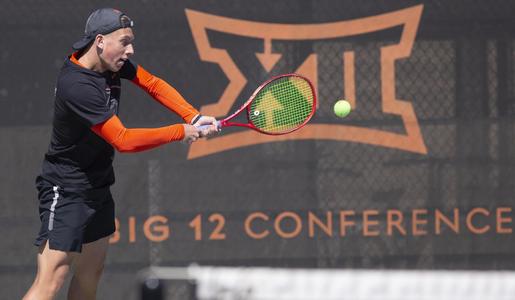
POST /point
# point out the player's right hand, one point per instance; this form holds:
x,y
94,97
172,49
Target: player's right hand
x,y
191,133
208,130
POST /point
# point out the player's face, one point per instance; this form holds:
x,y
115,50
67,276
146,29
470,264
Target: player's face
x,y
116,49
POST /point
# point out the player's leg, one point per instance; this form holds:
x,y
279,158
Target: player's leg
x,y
58,241
88,267
53,266
90,264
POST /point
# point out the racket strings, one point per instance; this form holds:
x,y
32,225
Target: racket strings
x,y
283,105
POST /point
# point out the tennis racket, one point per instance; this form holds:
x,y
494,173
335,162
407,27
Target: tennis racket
x,y
280,105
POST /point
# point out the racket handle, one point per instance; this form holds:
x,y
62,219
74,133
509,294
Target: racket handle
x,y
203,127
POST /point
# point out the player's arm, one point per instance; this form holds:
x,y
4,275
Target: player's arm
x,y
172,99
140,139
165,94
168,96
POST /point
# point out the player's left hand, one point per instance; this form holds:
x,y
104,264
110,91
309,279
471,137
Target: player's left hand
x,y
207,120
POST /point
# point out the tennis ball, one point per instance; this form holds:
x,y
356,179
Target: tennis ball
x,y
342,108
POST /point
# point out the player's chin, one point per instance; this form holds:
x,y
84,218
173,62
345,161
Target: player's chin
x,y
117,65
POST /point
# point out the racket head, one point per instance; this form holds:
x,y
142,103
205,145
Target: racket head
x,y
281,105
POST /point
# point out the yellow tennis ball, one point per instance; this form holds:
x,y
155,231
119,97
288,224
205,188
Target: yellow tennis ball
x,y
342,108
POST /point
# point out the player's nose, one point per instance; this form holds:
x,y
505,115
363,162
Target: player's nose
x,y
129,51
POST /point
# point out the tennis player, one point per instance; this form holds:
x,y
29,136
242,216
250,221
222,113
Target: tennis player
x,y
76,207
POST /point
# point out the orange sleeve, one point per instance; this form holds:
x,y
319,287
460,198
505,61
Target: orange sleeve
x,y
164,94
136,139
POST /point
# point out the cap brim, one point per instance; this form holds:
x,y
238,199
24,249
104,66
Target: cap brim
x,y
82,43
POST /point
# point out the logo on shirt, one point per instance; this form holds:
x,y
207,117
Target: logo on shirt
x,y
108,94
112,102
310,49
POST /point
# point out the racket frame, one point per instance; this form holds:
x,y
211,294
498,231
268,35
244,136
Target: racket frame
x,y
226,121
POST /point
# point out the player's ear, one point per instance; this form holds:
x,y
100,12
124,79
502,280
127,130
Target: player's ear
x,y
100,41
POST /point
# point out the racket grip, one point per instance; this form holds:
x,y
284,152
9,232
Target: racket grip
x,y
203,127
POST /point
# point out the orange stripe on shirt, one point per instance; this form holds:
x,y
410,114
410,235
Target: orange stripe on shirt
x,y
164,94
74,59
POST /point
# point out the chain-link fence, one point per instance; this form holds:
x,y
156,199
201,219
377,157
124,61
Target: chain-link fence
x,y
389,189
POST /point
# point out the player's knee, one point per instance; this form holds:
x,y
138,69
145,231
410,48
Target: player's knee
x,y
49,286
58,279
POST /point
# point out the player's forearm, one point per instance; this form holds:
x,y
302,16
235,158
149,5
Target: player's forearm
x,y
165,94
137,139
141,139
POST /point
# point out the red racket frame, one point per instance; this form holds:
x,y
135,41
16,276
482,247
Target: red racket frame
x,y
225,122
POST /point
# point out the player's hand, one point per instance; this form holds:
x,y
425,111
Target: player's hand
x,y
191,133
207,120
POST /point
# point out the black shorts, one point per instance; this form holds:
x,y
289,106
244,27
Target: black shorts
x,y
70,218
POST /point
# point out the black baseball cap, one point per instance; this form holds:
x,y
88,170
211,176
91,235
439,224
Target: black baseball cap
x,y
102,21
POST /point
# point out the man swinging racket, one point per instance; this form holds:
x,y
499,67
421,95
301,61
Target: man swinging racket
x,y
76,207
